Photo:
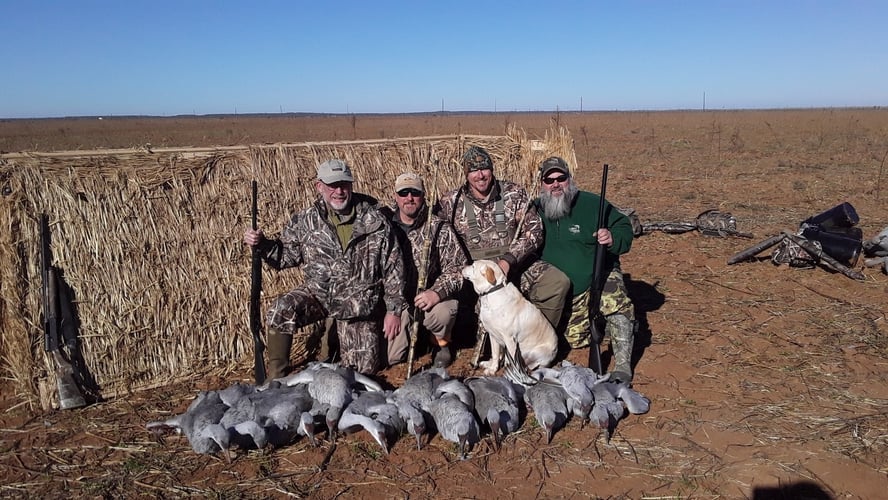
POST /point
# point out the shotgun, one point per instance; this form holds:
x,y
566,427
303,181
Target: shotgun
x,y
422,277
69,394
595,295
255,292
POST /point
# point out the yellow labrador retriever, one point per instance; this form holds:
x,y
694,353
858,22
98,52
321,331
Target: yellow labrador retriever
x,y
510,319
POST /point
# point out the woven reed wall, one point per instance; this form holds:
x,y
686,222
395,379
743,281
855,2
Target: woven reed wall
x,y
150,243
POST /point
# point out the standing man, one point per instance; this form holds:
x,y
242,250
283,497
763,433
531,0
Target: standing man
x,y
570,217
353,271
486,213
429,246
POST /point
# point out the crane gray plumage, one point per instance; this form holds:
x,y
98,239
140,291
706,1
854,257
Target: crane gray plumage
x,y
234,392
578,382
607,410
497,404
331,386
414,395
199,423
278,410
372,412
414,418
548,400
454,419
543,392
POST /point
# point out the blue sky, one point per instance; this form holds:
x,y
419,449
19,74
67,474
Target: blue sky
x,y
135,57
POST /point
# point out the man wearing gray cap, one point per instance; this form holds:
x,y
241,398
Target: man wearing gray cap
x,y
353,270
572,239
434,255
496,221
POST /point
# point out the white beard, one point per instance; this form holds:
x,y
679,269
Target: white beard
x,y
556,207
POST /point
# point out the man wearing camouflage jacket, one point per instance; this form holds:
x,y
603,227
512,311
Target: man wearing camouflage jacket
x,y
436,254
353,270
486,213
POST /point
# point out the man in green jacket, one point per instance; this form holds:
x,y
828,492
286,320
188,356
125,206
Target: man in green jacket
x,y
570,217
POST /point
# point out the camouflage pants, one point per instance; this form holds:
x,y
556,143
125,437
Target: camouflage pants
x,y
359,340
614,300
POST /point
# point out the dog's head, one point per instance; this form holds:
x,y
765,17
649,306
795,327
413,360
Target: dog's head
x,y
484,275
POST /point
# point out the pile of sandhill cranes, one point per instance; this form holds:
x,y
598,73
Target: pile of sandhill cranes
x,y
344,401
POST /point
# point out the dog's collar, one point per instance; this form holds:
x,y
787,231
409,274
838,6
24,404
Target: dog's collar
x,y
493,289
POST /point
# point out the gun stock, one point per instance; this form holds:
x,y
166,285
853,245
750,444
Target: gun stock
x,y
595,291
255,294
69,394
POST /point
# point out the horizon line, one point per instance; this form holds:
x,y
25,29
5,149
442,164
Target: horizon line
x,y
433,113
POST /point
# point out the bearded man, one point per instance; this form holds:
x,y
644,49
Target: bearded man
x,y
570,217
353,269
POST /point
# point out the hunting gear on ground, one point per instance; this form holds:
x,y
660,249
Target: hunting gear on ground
x,y
709,223
572,242
495,221
433,261
829,238
353,270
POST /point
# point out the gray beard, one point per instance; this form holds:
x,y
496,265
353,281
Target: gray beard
x,y
556,207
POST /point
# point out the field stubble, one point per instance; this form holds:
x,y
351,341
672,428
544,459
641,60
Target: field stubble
x,y
764,380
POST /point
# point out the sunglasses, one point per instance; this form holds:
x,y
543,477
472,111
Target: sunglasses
x,y
552,180
410,191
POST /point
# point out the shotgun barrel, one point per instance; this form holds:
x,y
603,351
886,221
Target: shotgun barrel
x,y
595,295
255,293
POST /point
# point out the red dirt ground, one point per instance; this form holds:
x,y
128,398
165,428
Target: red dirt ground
x,y
765,381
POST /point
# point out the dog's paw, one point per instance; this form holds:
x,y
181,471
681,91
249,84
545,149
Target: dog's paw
x,y
489,366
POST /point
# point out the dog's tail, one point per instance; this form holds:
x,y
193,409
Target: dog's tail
x,y
516,370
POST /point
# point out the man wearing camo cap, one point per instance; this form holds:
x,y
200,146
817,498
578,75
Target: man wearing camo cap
x,y
572,239
487,213
353,268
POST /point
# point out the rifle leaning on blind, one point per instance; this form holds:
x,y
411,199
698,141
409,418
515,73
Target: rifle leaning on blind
x,y
595,317
54,324
421,282
255,293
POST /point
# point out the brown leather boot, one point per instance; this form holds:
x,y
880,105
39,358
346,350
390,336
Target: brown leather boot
x,y
277,351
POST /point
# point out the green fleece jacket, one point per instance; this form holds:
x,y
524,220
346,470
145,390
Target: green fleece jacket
x,y
570,243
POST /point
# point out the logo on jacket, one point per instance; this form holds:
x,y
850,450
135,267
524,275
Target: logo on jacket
x,y
575,229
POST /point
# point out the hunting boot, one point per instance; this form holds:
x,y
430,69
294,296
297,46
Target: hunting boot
x,y
277,349
621,331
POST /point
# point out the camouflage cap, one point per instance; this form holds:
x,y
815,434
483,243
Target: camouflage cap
x,y
476,158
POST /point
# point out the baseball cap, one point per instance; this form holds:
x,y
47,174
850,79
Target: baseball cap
x,y
333,171
551,164
409,180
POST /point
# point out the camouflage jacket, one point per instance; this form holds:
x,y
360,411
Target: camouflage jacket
x,y
516,203
447,256
357,282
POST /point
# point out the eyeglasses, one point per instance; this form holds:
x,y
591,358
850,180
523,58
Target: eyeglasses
x,y
410,191
552,180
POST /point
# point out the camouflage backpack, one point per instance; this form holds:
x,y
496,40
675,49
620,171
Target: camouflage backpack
x,y
715,223
789,252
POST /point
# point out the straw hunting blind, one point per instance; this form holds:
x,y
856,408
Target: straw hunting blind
x,y
149,242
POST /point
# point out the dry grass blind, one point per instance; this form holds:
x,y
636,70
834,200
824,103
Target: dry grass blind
x,y
150,243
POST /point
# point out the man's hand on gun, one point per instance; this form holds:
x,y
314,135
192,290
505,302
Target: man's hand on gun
x,y
252,237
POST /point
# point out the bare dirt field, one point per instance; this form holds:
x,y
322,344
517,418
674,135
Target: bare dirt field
x,y
765,381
